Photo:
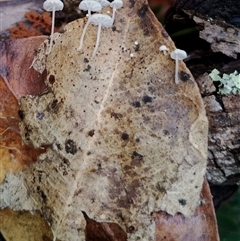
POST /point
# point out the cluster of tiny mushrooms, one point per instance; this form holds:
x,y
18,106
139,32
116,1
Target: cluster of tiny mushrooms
x,y
102,20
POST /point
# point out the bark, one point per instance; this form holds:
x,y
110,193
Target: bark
x,y
203,56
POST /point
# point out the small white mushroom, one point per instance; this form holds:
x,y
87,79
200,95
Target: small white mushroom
x,y
52,6
178,54
90,6
100,20
116,4
163,49
104,3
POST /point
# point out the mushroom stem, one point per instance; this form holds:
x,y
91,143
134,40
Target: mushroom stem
x,y
176,70
113,14
84,31
52,30
98,39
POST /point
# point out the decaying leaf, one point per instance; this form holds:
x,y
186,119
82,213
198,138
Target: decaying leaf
x,y
202,226
14,154
123,139
30,82
23,226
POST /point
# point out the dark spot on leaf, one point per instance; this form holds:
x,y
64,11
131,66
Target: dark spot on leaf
x,y
142,11
137,47
166,132
91,133
39,173
147,99
51,79
40,115
137,156
54,104
130,229
125,136
116,116
114,28
160,188
183,202
59,147
42,194
184,76
70,147
136,104
88,68
85,60
132,3
27,133
21,114
66,162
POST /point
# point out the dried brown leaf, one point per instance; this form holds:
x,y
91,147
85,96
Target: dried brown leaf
x,y
23,226
201,227
125,140
14,154
16,58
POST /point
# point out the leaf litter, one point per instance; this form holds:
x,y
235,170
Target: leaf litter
x,y
123,141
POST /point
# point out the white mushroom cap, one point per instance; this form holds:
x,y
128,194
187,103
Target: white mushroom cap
x,y
116,4
164,49
91,5
178,54
50,5
104,3
103,19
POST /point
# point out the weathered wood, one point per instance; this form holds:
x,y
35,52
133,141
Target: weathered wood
x,y
224,134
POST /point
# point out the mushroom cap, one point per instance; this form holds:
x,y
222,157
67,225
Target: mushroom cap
x,y
93,6
104,3
163,47
178,54
103,19
116,4
49,4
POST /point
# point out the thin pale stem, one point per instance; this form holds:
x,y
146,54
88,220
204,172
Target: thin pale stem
x,y
98,39
84,31
176,71
52,31
113,14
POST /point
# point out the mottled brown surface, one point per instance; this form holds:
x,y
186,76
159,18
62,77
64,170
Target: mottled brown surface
x,y
133,74
201,227
14,154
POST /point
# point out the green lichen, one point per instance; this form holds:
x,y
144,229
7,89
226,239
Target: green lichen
x,y
229,83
